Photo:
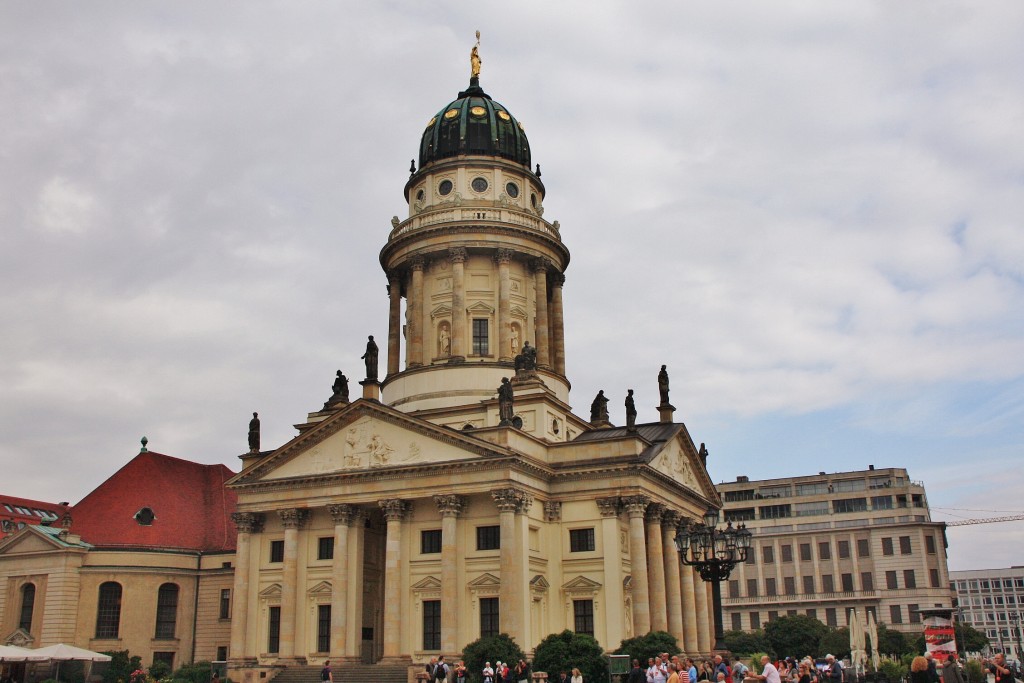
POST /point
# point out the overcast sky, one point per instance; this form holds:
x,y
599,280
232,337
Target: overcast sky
x,y
810,211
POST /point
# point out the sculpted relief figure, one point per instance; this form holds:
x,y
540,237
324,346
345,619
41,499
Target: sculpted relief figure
x,y
515,339
380,452
444,342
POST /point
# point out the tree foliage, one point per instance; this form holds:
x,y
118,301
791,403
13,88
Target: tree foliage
x,y
797,635
969,639
565,650
121,666
200,672
975,672
490,649
746,643
835,641
646,646
891,642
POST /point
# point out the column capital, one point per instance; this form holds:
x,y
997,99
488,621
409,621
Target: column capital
x,y
608,507
503,256
359,517
341,514
293,518
450,505
654,513
552,510
248,522
540,264
394,509
557,279
635,505
512,500
457,254
670,518
417,263
394,275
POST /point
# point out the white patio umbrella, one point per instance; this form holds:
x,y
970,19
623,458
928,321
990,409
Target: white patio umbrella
x,y
856,641
66,653
873,634
10,653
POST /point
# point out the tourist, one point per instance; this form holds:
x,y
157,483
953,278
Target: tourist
x,y
636,674
325,673
577,677
999,670
951,671
919,670
488,673
673,673
460,672
522,672
769,674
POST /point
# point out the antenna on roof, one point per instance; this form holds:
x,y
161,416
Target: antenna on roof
x,y
144,442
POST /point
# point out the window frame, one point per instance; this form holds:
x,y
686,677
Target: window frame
x,y
166,611
108,610
582,540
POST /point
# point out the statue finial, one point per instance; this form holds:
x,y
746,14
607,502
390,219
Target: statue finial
x,y
144,441
474,58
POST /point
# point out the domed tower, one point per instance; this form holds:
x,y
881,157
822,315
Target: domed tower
x,y
479,268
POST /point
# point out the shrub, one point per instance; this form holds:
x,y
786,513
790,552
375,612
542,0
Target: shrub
x,y
894,671
200,672
121,666
975,672
755,662
159,670
490,649
646,646
565,650
745,643
797,635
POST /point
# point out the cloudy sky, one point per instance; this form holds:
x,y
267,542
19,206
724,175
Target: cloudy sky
x,y
810,211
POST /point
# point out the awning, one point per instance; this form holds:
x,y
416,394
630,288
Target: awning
x,y
64,653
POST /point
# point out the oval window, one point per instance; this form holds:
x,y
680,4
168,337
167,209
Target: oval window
x,y
512,190
479,184
445,187
420,194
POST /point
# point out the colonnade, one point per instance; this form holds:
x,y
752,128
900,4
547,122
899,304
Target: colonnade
x,y
549,328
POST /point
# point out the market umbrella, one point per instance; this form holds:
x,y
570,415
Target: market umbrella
x,y
856,640
873,634
66,653
10,653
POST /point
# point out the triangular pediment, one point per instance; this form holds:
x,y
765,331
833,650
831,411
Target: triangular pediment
x,y
365,437
321,589
428,584
518,312
485,581
539,582
31,539
271,591
442,311
481,308
679,460
19,638
581,583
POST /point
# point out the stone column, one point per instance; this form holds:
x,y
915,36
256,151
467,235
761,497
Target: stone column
x,y
342,516
394,512
457,255
248,523
613,593
540,277
557,322
656,568
292,520
449,506
415,304
503,257
673,593
700,594
511,615
635,508
394,322
686,575
356,544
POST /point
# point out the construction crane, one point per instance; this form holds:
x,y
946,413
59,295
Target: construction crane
x,y
985,520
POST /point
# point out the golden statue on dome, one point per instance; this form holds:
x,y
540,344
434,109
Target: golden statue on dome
x,y
474,58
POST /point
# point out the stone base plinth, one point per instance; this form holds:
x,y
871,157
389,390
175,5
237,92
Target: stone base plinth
x,y
665,411
371,389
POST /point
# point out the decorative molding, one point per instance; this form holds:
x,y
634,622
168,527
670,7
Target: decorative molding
x,y
539,264
552,511
557,279
293,518
417,263
608,507
449,505
481,307
635,505
503,256
670,518
322,589
248,522
394,509
341,514
512,500
654,513
457,254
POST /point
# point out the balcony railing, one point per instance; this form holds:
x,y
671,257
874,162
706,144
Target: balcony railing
x,y
474,214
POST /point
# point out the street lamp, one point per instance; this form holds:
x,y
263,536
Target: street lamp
x,y
713,553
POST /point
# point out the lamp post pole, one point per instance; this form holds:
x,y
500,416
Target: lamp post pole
x,y
713,552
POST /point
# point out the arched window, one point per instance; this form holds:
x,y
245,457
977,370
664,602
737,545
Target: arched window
x,y
166,611
108,610
28,602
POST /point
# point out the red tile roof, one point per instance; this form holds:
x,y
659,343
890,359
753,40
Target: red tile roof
x,y
191,506
13,515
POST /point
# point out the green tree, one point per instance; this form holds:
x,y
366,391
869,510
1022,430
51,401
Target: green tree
x,y
835,641
121,666
894,671
746,643
565,650
489,649
968,638
646,646
975,672
891,642
200,672
159,670
795,636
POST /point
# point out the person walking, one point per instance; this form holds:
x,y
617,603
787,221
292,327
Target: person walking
x,y
325,673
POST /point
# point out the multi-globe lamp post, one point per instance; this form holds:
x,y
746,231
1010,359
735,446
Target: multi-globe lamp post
x,y
713,552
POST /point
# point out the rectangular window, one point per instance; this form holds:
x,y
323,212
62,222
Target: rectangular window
x,y
225,603
736,496
774,511
929,544
488,538
751,558
811,489
787,553
850,505
773,615
277,551
933,577
751,588
581,541
887,546
867,582
488,617
222,653
755,621
431,624
915,614
827,585
808,585
583,616
863,547
430,541
781,491
789,585
904,545
811,509
480,338
843,548
812,613
895,614
881,502
734,588
847,580
845,485
325,551
824,551
890,580
164,658
805,552
274,630
769,587
830,617
768,554
909,578
108,610
737,619
741,515
323,628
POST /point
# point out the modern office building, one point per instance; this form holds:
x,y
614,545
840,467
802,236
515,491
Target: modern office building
x,y
826,543
992,601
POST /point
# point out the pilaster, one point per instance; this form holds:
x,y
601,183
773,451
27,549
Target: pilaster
x,y
457,255
503,257
248,523
614,597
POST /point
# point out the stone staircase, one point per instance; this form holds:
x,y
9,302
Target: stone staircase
x,y
346,673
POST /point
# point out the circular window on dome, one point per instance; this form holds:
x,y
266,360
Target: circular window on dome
x,y
445,187
420,194
431,122
479,184
477,111
512,190
503,115
451,113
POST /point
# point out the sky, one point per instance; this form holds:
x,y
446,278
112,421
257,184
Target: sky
x,y
811,212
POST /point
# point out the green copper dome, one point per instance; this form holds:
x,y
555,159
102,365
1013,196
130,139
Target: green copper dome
x,y
474,124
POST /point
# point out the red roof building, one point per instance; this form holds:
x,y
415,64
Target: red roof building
x,y
157,501
16,513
